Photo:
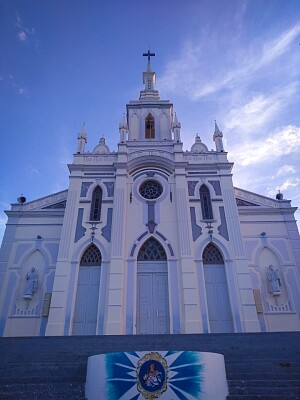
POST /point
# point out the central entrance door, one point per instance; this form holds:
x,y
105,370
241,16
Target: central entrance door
x,y
152,290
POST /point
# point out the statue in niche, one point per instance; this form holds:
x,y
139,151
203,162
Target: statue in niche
x,y
274,281
31,284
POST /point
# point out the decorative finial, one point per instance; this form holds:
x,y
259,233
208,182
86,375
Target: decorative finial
x,y
149,54
21,199
279,196
217,137
82,140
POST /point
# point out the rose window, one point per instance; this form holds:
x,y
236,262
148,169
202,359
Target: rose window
x,y
150,190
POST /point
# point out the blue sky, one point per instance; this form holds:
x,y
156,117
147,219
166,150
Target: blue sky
x,y
67,62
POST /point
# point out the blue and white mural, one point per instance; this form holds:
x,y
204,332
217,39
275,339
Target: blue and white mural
x,y
167,375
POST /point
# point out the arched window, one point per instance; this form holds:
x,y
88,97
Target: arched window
x,y
91,256
149,127
212,255
96,204
152,250
205,203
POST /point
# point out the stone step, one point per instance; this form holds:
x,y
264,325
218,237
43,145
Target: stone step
x,y
264,391
262,366
264,383
49,371
263,397
248,376
28,391
258,366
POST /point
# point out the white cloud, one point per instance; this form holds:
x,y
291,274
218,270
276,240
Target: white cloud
x,y
25,34
279,45
283,142
19,89
293,182
259,109
22,36
285,170
22,90
33,170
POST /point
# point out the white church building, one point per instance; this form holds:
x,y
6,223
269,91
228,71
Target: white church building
x,y
150,239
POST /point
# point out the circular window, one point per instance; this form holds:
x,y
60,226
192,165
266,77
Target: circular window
x,y
150,190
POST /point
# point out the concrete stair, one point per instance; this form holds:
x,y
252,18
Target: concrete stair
x,y
263,366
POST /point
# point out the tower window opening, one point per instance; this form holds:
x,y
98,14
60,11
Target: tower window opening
x,y
96,204
206,206
149,127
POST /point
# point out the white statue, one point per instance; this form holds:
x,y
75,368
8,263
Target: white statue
x,y
31,284
274,281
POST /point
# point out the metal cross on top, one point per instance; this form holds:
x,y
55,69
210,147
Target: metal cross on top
x,y
149,54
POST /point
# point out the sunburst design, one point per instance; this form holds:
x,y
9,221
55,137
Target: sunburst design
x,y
183,377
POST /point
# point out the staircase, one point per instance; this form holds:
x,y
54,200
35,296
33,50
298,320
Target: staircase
x,y
262,366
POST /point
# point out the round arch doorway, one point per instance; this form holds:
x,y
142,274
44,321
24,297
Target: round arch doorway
x,y
152,289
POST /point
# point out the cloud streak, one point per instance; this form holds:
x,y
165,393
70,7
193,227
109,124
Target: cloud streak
x,y
260,109
202,78
25,34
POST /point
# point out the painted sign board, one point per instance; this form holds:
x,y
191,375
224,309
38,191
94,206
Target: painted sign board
x,y
163,375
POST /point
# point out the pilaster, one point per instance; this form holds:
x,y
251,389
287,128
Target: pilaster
x,y
191,308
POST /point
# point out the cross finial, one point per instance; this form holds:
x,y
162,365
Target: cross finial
x,y
149,54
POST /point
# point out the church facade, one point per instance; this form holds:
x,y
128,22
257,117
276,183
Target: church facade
x,y
150,239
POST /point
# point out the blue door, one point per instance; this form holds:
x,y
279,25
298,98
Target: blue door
x,y
217,296
152,298
87,297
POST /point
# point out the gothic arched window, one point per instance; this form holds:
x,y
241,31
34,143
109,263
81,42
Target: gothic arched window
x,y
212,255
96,204
152,250
149,127
206,206
91,256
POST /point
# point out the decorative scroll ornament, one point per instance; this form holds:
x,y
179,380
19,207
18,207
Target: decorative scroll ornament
x,y
152,375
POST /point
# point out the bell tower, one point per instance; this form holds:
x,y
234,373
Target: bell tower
x,y
149,118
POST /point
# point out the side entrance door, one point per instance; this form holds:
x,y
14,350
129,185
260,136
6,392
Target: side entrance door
x,y
86,305
218,303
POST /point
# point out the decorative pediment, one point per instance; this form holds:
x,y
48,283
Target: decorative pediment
x,y
244,198
56,201
244,203
61,204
